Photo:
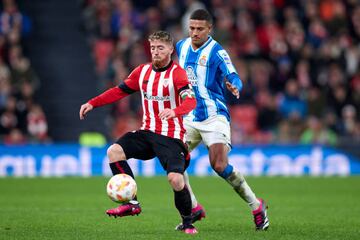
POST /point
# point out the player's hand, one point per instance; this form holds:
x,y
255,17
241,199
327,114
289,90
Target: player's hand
x,y
84,109
233,89
166,114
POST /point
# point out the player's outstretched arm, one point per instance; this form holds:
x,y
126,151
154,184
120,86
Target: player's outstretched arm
x,y
233,81
84,109
233,89
109,96
234,84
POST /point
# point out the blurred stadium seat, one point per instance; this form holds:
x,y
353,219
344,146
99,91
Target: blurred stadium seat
x,y
102,52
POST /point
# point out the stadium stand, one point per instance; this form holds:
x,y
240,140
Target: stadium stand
x,y
62,58
22,119
299,61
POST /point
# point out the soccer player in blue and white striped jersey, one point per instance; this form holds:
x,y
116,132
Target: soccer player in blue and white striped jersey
x,y
207,65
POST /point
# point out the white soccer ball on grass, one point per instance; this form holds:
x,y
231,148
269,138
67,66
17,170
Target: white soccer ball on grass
x,y
121,188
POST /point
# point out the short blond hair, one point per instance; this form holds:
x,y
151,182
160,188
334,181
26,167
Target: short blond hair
x,y
162,36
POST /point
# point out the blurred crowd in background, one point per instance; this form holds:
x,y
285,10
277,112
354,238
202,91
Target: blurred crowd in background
x,y
22,119
298,60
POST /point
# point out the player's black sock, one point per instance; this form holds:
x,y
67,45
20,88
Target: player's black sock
x,y
183,204
122,167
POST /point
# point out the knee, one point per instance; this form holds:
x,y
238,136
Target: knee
x,y
115,153
218,166
176,181
218,157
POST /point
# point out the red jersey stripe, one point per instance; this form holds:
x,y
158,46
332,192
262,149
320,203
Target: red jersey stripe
x,y
159,90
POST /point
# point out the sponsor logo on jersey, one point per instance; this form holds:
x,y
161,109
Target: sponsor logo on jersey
x,y
156,98
191,75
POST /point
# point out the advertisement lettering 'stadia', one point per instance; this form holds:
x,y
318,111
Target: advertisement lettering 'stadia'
x,y
74,160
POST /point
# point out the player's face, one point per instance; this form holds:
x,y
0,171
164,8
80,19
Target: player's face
x,y
198,32
160,53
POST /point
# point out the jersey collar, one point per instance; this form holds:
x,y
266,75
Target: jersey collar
x,y
202,46
163,68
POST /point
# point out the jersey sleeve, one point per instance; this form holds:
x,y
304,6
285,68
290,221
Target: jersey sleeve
x,y
227,69
131,83
109,96
225,64
180,79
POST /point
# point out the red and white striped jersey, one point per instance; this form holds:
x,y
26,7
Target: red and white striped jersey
x,y
159,90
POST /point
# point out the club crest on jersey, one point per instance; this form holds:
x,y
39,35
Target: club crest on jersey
x,y
166,82
202,61
191,75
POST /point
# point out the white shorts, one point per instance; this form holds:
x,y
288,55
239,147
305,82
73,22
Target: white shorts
x,y
212,130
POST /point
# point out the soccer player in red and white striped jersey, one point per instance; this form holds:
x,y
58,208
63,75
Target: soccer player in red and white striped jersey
x,y
166,97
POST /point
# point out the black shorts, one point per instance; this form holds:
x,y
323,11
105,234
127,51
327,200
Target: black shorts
x,y
144,145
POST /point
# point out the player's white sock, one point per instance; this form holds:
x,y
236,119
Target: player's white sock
x,y
238,182
193,198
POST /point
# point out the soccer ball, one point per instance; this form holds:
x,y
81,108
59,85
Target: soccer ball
x,y
121,188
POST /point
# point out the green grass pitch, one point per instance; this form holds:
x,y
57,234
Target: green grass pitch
x,y
73,208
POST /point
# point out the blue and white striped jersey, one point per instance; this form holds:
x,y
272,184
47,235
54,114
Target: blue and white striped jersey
x,y
206,68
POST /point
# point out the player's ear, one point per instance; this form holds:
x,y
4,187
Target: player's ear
x,y
210,27
172,49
